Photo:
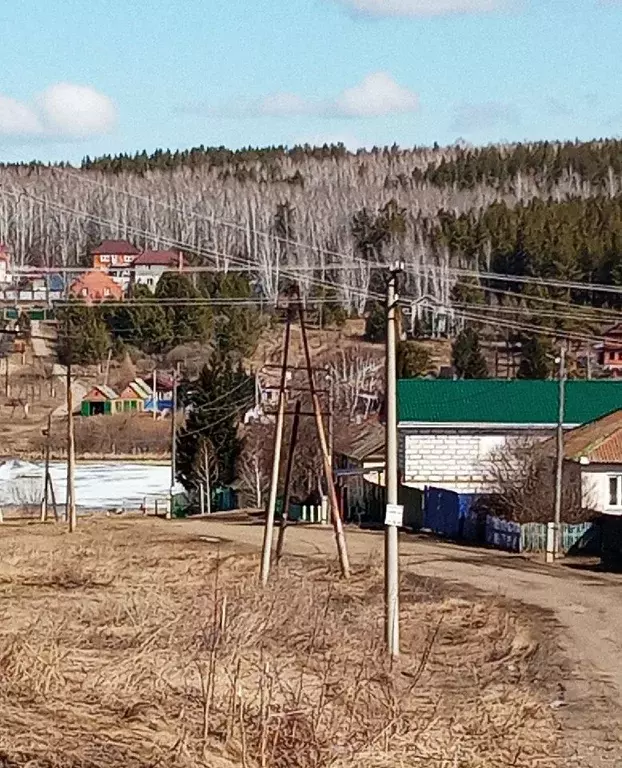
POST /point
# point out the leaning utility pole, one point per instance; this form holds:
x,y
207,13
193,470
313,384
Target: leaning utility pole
x,y
169,513
71,453
287,485
268,534
394,513
559,468
46,471
328,470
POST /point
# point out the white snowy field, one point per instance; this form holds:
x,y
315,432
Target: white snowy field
x,y
99,485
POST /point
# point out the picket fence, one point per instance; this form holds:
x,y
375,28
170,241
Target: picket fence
x,y
455,516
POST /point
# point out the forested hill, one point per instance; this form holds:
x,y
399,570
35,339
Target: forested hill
x,y
534,209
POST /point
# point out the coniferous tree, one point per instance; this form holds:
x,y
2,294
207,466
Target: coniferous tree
x,y
413,360
83,337
189,321
467,358
376,323
534,359
213,403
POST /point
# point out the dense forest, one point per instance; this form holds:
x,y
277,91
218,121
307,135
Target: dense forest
x,y
327,215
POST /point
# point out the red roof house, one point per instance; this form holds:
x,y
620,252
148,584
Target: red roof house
x,y
95,286
113,253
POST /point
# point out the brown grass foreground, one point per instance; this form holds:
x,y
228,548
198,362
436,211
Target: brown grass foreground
x,y
126,645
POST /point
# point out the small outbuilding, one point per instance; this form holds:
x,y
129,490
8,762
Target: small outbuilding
x,y
99,401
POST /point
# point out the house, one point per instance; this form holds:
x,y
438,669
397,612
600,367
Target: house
x,y
596,450
359,461
149,266
610,351
117,254
115,257
134,397
449,429
6,278
99,400
95,286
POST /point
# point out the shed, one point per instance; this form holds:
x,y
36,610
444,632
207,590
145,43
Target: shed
x,y
98,401
134,397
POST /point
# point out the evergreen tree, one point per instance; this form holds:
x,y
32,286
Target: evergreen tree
x,y
214,403
237,327
188,321
534,360
147,327
376,323
467,358
83,337
413,360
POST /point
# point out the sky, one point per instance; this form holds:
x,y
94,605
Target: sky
x,y
109,76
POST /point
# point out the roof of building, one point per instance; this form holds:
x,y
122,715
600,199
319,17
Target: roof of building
x,y
157,259
104,390
599,441
361,441
517,402
96,282
115,248
136,388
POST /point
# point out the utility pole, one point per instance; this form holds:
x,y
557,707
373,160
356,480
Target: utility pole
x,y
173,442
268,534
46,473
393,511
559,468
288,475
340,538
154,393
71,453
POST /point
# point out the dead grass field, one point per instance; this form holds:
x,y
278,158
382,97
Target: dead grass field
x,y
128,645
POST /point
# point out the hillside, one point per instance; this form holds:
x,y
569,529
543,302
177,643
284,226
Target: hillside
x,y
325,216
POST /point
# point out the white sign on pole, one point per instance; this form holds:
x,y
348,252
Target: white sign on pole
x,y
394,515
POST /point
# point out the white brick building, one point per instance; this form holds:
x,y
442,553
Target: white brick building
x,y
449,429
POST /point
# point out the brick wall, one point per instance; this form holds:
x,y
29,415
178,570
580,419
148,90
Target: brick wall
x,y
450,459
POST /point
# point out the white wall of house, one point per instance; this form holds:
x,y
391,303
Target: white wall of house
x,y
456,458
149,275
601,487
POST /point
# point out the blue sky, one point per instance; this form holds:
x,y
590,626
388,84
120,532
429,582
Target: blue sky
x,y
102,76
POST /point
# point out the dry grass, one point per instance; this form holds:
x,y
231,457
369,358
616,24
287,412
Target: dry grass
x,y
126,645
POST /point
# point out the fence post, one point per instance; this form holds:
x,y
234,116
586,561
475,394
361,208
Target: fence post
x,y
551,530
324,512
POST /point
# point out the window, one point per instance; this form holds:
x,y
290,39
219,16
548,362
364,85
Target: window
x,y
104,258
615,491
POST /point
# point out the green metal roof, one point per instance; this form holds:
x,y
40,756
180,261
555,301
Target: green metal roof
x,y
502,401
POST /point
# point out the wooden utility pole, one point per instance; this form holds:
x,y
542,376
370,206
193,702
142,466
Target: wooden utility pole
x,y
559,464
393,511
288,475
70,508
154,393
266,552
169,514
208,482
46,471
328,470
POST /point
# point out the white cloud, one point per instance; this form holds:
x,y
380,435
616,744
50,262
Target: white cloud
x,y
422,7
62,111
378,94
17,119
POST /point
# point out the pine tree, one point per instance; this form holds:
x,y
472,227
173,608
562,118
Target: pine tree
x,y
214,403
467,358
376,323
413,360
534,361
83,337
147,327
190,321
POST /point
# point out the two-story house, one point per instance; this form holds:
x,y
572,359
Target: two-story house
x,y
149,266
610,351
116,258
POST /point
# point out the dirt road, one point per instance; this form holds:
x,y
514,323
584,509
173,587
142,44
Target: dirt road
x,y
586,605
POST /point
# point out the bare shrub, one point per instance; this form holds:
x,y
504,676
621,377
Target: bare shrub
x,y
523,478
120,434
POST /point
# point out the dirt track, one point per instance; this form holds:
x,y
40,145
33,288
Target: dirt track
x,y
586,605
